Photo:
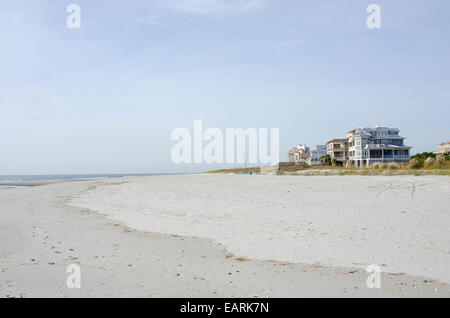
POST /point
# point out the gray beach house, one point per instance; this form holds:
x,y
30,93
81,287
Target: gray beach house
x,y
368,145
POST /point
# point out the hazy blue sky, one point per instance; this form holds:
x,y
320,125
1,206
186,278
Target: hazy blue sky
x,y
104,98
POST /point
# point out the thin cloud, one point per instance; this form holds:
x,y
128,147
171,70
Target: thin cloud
x,y
283,48
214,7
151,20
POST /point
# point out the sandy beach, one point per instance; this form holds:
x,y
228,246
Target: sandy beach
x,y
227,236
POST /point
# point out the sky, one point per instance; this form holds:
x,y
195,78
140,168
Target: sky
x,y
104,98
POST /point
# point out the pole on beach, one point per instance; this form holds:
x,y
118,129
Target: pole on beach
x,y
245,159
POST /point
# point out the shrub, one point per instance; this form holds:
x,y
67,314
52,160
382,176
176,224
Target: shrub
x,y
327,159
423,156
376,165
414,164
393,166
441,159
429,162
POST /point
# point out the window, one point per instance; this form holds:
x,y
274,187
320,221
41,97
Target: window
x,y
376,154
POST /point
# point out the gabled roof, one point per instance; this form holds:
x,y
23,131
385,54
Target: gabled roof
x,y
337,140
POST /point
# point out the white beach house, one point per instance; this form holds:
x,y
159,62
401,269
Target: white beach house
x,y
368,145
338,150
444,149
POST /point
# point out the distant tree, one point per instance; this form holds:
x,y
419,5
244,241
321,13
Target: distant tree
x,y
333,162
421,157
327,159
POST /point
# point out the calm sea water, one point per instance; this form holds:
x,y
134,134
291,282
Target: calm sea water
x,y
20,178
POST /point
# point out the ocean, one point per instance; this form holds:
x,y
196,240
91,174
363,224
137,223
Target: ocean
x,y
12,179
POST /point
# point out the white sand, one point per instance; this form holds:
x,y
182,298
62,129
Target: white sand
x,y
41,234
401,223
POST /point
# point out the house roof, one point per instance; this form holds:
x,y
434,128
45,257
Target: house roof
x,y
381,146
445,143
337,140
372,128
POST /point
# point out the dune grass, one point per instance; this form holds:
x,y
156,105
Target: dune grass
x,y
431,166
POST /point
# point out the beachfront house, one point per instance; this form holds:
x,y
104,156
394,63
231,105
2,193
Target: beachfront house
x,y
299,153
444,149
316,155
380,144
338,151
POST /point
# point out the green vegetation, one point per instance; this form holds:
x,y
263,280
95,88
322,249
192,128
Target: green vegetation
x,y
327,159
421,164
423,156
341,171
237,170
429,160
333,162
